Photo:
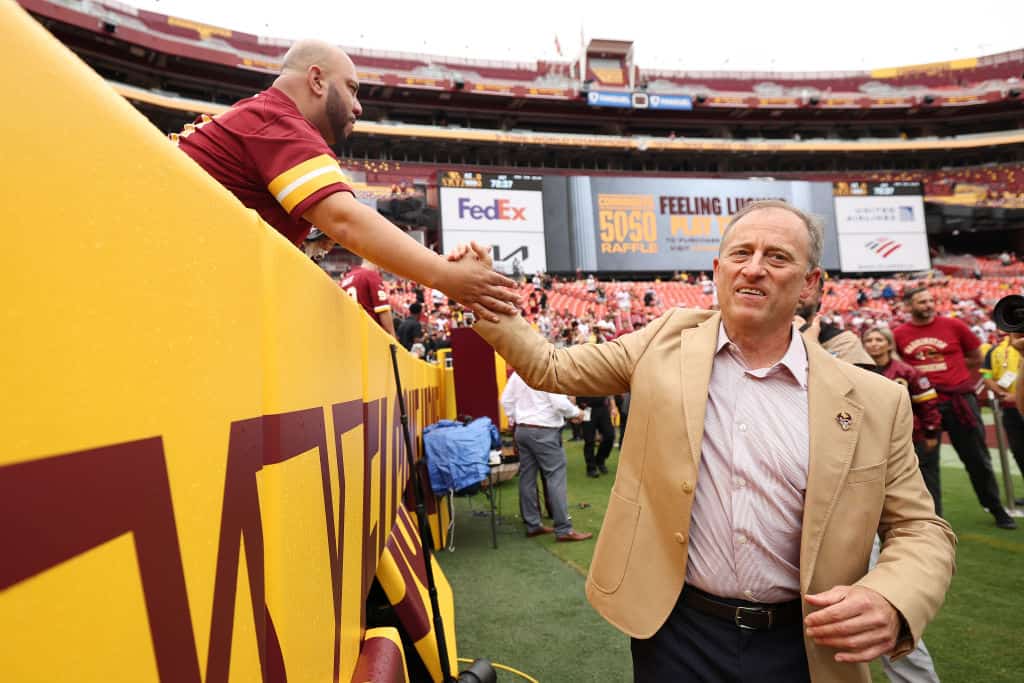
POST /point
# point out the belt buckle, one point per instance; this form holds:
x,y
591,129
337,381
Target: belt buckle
x,y
740,611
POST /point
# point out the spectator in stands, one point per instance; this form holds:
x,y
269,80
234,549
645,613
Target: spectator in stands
x,y
437,298
707,286
364,284
623,300
605,328
944,350
583,331
537,418
272,151
684,546
1001,371
410,330
544,324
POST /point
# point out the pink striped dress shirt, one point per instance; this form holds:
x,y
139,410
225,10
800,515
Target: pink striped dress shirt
x,y
746,519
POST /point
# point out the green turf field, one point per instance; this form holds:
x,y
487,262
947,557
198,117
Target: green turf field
x,y
523,605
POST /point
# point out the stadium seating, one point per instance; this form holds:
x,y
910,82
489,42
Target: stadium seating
x,y
572,298
989,76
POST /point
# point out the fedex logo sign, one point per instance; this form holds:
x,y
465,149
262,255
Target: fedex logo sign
x,y
489,211
499,210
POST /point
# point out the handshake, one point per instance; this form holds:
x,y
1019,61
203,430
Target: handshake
x,y
469,278
474,251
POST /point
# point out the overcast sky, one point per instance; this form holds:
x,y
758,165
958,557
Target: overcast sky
x,y
784,35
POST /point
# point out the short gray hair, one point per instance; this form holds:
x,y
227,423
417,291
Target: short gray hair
x,y
815,229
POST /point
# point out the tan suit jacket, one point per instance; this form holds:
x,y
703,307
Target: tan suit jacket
x,y
848,347
861,480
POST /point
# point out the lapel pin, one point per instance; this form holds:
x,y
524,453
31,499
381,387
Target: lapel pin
x,y
844,420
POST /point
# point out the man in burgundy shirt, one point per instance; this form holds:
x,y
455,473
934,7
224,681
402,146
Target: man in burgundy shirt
x,y
272,152
945,350
364,284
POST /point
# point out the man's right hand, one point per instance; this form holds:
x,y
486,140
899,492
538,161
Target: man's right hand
x,y
470,280
362,230
473,250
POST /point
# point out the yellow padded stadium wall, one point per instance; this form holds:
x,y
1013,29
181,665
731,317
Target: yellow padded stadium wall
x,y
200,459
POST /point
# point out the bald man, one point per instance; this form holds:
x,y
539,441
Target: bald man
x,y
273,152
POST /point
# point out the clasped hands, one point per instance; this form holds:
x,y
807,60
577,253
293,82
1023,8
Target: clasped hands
x,y
473,283
857,621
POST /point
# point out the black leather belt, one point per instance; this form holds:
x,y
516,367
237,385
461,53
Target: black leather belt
x,y
523,424
753,616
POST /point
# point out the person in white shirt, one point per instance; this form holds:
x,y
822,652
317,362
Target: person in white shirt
x,y
438,298
623,299
583,332
538,418
544,325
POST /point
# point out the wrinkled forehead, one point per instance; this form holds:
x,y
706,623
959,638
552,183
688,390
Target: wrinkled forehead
x,y
769,222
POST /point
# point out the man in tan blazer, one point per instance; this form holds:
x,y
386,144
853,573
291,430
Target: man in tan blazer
x,y
810,610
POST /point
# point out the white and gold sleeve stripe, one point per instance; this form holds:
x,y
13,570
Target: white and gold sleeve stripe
x,y
300,181
924,396
381,308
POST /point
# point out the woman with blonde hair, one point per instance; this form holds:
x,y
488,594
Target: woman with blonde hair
x,y
881,346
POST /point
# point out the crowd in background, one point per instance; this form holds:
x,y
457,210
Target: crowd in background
x,y
575,310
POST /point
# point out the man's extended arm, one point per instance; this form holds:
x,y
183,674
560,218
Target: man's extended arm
x,y
364,231
566,408
581,370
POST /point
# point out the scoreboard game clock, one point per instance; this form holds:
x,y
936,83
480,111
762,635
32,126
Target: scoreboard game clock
x,y
491,181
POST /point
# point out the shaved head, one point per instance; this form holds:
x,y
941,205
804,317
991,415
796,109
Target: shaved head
x,y
312,52
322,81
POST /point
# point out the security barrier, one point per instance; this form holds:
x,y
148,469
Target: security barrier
x,y
201,463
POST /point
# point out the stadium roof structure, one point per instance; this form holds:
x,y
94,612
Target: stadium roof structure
x,y
960,82
420,107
